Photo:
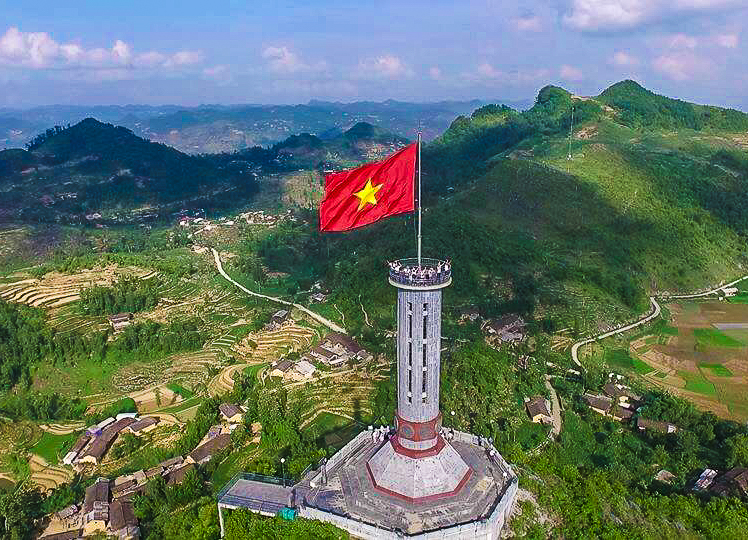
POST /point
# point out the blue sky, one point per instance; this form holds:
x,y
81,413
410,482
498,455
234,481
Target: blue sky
x,y
191,52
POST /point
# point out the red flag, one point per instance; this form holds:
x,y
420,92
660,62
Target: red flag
x,y
361,196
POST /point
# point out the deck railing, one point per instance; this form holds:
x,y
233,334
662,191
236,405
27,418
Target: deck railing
x,y
430,272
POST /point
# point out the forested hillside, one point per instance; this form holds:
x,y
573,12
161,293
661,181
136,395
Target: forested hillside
x,y
569,238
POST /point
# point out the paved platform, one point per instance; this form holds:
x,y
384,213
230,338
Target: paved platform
x,y
349,492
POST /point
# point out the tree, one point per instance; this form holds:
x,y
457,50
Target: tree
x,y
737,451
18,511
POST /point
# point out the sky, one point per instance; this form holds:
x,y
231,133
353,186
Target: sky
x,y
195,52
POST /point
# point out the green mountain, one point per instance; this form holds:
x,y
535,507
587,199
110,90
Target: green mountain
x,y
91,167
362,142
571,231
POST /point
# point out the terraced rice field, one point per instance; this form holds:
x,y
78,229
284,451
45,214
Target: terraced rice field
x,y
704,361
272,345
48,476
55,290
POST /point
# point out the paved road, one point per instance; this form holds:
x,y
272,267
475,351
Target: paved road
x,y
653,314
644,320
707,293
316,316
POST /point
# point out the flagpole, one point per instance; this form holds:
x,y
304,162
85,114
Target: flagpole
x,y
419,199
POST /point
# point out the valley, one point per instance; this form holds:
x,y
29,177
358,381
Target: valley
x,y
142,283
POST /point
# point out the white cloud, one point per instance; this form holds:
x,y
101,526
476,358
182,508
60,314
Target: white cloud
x,y
729,41
283,60
681,65
383,67
37,50
528,23
624,59
682,41
570,73
221,74
435,72
486,72
606,15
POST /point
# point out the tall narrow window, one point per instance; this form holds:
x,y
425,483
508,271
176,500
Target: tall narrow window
x,y
410,386
425,326
424,395
410,326
410,355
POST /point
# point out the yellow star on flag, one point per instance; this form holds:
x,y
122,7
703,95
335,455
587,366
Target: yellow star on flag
x,y
367,195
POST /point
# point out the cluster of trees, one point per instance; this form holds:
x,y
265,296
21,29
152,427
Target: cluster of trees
x,y
26,340
267,403
130,294
149,339
640,108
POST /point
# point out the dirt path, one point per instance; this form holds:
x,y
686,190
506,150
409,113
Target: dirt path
x,y
62,429
555,408
317,317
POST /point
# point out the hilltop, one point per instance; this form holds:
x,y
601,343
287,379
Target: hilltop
x,y
93,167
229,128
643,204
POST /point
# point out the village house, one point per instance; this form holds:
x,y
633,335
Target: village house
x,y
120,321
122,520
96,507
96,450
79,445
538,409
280,316
645,424
509,328
231,413
177,475
705,480
336,349
622,394
281,368
318,297
304,369
144,425
204,452
599,404
732,483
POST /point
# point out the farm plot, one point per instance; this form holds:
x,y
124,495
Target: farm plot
x,y
55,290
269,346
48,476
705,360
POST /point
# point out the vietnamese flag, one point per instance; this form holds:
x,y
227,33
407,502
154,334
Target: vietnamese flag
x,y
366,194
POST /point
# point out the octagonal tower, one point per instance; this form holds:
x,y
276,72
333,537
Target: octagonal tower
x,y
417,464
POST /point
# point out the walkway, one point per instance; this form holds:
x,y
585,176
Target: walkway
x,y
317,317
555,407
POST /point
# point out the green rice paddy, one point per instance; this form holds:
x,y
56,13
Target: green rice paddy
x,y
717,369
714,338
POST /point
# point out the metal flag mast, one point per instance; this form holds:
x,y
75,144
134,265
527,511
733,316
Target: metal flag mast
x,y
419,197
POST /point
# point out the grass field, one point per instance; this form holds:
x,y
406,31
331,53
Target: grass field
x,y
697,383
714,338
52,447
622,359
179,389
717,369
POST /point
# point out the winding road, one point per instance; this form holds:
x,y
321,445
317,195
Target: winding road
x,y
652,315
317,317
